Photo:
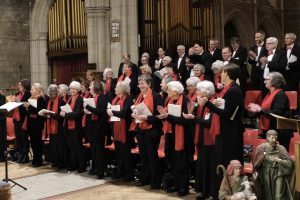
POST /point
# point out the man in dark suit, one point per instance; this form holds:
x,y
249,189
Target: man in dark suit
x,y
240,54
180,63
126,59
204,58
292,52
214,50
256,52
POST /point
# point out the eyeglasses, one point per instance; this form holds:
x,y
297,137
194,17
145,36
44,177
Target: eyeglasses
x,y
270,43
144,60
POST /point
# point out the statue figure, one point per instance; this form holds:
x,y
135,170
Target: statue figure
x,y
274,170
232,181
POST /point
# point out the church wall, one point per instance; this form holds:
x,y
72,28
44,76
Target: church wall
x,y
14,41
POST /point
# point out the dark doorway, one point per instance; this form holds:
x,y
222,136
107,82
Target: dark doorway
x,y
229,32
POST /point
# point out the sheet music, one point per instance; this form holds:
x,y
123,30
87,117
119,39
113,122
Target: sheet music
x,y
44,111
115,108
90,102
33,102
160,74
142,109
66,108
127,80
174,110
10,106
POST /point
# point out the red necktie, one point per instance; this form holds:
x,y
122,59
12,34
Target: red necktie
x,y
270,53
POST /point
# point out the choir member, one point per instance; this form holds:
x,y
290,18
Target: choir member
x,y
110,81
217,68
63,92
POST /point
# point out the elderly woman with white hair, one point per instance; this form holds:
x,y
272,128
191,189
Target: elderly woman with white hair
x,y
122,136
217,68
55,127
176,125
206,138
72,121
110,81
191,85
63,92
34,123
199,71
148,133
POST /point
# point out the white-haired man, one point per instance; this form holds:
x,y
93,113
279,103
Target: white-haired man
x,y
292,52
180,64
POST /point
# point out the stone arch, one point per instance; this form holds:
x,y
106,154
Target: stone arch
x,y
38,42
242,25
272,27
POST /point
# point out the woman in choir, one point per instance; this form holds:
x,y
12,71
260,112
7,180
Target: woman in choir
x,y
177,126
207,130
199,71
55,127
85,93
122,136
110,81
171,72
148,133
275,102
72,122
217,68
34,123
22,141
63,92
191,85
98,123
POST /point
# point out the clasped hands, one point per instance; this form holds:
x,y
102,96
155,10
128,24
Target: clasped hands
x,y
253,108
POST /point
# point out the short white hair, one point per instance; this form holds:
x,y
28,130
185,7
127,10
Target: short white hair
x,y
207,87
106,70
63,88
181,46
193,81
200,67
176,86
273,39
146,54
75,85
292,35
124,86
168,58
52,87
217,65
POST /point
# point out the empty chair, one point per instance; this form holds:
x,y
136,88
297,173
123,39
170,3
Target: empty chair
x,y
10,129
253,96
293,98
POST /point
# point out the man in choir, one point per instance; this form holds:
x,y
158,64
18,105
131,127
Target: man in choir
x,y
34,123
293,62
204,58
158,62
122,136
240,54
256,52
177,126
214,50
180,63
126,60
148,133
19,115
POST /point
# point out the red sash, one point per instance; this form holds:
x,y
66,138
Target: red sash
x,y
175,77
192,97
123,76
179,131
167,127
217,79
95,117
264,121
52,124
120,127
201,77
148,101
85,95
71,122
25,123
16,115
108,84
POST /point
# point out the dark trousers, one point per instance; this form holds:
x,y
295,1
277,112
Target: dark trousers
x,y
99,148
148,141
56,150
22,141
2,138
180,170
36,144
75,153
169,150
124,161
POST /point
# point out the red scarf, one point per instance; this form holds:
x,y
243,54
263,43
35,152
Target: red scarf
x,y
120,127
179,131
264,121
225,89
192,97
123,76
16,115
25,123
217,79
148,101
87,94
175,77
197,127
52,124
95,117
71,122
167,127
201,77
108,84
